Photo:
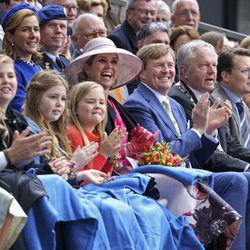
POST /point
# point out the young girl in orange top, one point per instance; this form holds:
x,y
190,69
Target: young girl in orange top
x,y
88,110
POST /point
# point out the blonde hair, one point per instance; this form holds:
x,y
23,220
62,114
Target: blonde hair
x,y
154,51
11,26
77,93
39,84
5,133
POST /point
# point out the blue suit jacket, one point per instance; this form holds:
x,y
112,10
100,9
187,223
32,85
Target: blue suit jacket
x,y
150,113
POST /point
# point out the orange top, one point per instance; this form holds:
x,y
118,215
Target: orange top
x,y
99,162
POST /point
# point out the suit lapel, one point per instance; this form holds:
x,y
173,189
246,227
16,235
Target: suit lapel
x,y
157,107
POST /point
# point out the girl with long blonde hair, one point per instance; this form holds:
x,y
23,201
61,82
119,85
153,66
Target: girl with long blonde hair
x,y
88,114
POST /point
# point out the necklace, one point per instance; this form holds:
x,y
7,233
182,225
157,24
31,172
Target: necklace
x,y
23,60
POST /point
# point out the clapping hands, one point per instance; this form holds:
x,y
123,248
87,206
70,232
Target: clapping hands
x,y
112,144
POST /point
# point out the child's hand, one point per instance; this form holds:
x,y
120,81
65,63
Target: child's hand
x,y
112,144
82,156
60,166
94,176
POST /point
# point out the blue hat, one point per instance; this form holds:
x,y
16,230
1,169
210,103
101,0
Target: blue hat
x,y
51,12
13,11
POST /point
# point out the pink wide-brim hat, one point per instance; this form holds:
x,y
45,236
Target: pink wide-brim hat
x,y
129,65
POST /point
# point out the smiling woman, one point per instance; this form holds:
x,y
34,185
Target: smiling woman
x,y
20,42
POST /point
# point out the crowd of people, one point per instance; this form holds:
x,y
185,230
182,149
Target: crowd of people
x,y
83,94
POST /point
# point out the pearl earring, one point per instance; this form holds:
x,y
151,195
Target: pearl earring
x,y
12,44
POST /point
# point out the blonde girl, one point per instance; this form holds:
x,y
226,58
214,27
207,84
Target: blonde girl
x,y
88,112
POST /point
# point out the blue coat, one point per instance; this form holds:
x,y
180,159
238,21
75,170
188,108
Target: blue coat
x,y
150,113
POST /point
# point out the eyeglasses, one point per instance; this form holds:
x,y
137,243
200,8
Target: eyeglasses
x,y
94,34
146,12
186,13
245,71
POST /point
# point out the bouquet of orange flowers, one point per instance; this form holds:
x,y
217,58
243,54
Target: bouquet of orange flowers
x,y
160,154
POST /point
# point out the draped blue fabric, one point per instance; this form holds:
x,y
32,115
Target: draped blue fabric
x,y
111,216
78,222
134,221
188,176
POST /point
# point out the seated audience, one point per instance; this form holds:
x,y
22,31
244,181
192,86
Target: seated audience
x,y
111,67
154,110
118,211
41,195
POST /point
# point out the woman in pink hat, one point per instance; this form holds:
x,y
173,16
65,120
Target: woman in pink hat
x,y
112,67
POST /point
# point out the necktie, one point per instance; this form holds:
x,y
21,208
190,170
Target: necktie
x,y
243,124
59,63
170,114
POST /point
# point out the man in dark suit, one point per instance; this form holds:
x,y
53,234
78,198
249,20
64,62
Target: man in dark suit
x,y
53,30
198,74
233,83
146,105
197,64
138,13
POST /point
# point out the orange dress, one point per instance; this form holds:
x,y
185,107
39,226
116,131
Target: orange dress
x,y
99,162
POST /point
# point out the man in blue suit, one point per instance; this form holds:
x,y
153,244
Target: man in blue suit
x,y
146,106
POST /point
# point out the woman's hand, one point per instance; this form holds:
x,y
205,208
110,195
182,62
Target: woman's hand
x,y
60,166
82,156
94,176
112,144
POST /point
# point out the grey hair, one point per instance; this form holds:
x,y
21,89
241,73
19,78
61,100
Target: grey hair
x,y
162,6
187,52
175,3
79,19
149,29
